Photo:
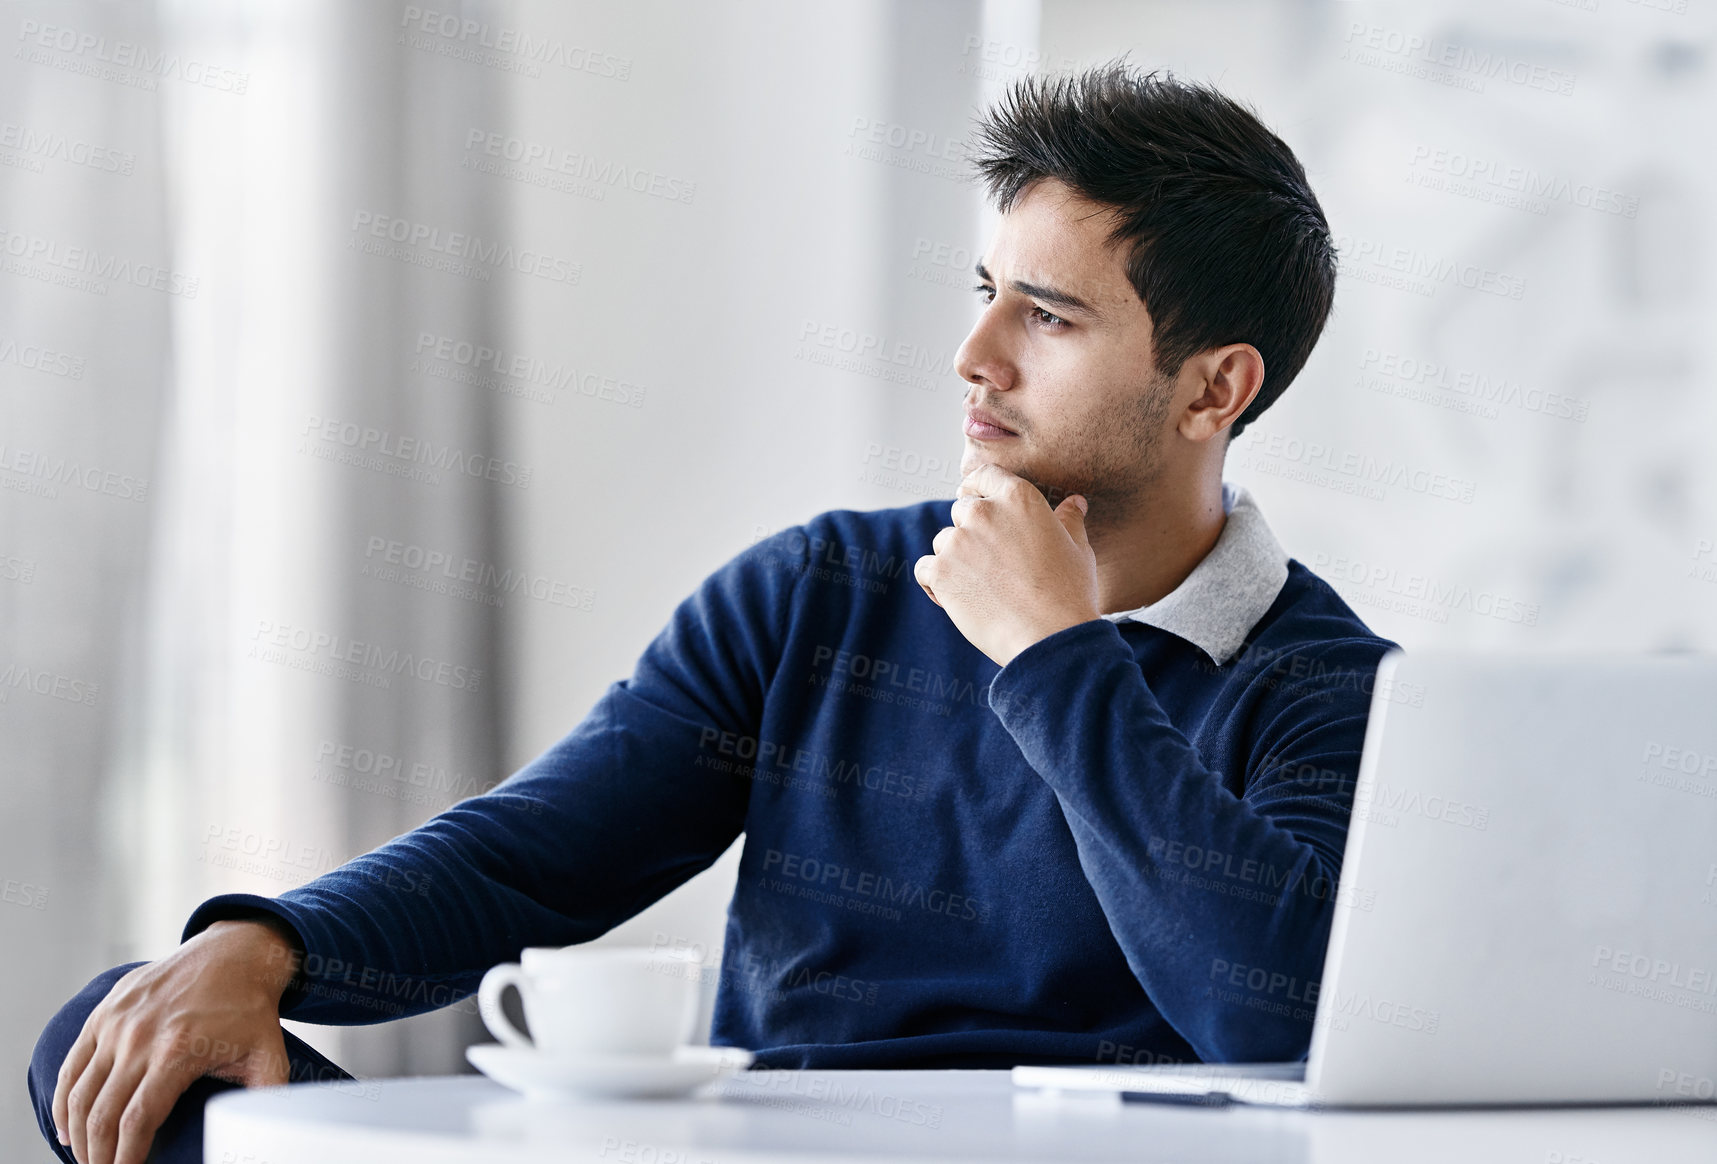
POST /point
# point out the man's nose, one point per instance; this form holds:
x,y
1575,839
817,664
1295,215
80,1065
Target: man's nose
x,y
982,359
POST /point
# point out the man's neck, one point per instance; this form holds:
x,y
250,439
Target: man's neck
x,y
1149,549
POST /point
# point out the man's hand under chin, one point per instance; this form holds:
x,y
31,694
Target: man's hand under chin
x,y
1010,571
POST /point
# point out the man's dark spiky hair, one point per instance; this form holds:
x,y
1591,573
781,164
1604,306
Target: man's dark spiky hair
x,y
1225,241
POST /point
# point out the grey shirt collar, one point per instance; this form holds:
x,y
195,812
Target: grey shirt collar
x,y
1218,604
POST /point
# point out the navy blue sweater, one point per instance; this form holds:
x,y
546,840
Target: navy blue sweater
x,y
1110,848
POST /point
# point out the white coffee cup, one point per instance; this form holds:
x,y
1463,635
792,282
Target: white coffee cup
x,y
606,1000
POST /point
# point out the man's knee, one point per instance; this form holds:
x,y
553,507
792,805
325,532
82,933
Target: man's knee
x,y
57,1039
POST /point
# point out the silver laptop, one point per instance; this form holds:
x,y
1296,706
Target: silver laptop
x,y
1527,911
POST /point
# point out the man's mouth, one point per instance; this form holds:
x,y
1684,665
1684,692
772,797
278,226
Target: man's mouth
x,y
983,426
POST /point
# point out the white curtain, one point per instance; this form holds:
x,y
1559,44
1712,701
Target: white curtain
x,y
449,297
85,369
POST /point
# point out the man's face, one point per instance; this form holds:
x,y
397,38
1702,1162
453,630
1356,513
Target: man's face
x,y
1061,358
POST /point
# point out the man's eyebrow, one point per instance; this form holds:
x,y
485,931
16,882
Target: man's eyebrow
x,y
1065,299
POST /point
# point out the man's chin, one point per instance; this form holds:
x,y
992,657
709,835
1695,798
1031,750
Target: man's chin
x,y
977,454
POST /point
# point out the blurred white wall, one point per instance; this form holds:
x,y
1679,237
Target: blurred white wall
x,y
1527,273
1521,192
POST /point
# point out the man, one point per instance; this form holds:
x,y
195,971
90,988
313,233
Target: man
x,y
1053,798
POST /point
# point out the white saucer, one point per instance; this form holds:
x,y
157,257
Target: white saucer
x,y
544,1076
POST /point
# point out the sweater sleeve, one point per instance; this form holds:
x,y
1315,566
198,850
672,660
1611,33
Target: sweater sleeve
x,y
1221,903
612,817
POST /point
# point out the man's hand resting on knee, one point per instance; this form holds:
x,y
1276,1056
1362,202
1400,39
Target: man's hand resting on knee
x,y
211,1007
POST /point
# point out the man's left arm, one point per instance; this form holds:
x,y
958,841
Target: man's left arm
x,y
1222,904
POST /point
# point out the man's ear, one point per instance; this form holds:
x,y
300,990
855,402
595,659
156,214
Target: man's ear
x,y
1229,378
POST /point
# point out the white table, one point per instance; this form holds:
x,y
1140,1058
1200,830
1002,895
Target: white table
x,y
902,1116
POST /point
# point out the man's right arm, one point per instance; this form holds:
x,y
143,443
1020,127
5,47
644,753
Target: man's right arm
x,y
628,806
622,810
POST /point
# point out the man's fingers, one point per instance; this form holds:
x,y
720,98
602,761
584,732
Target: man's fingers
x,y
943,539
987,480
969,511
101,1128
1071,514
154,1097
921,570
71,1070
82,1098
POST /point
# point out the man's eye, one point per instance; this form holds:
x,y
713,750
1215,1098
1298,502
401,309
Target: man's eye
x,y
1050,322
